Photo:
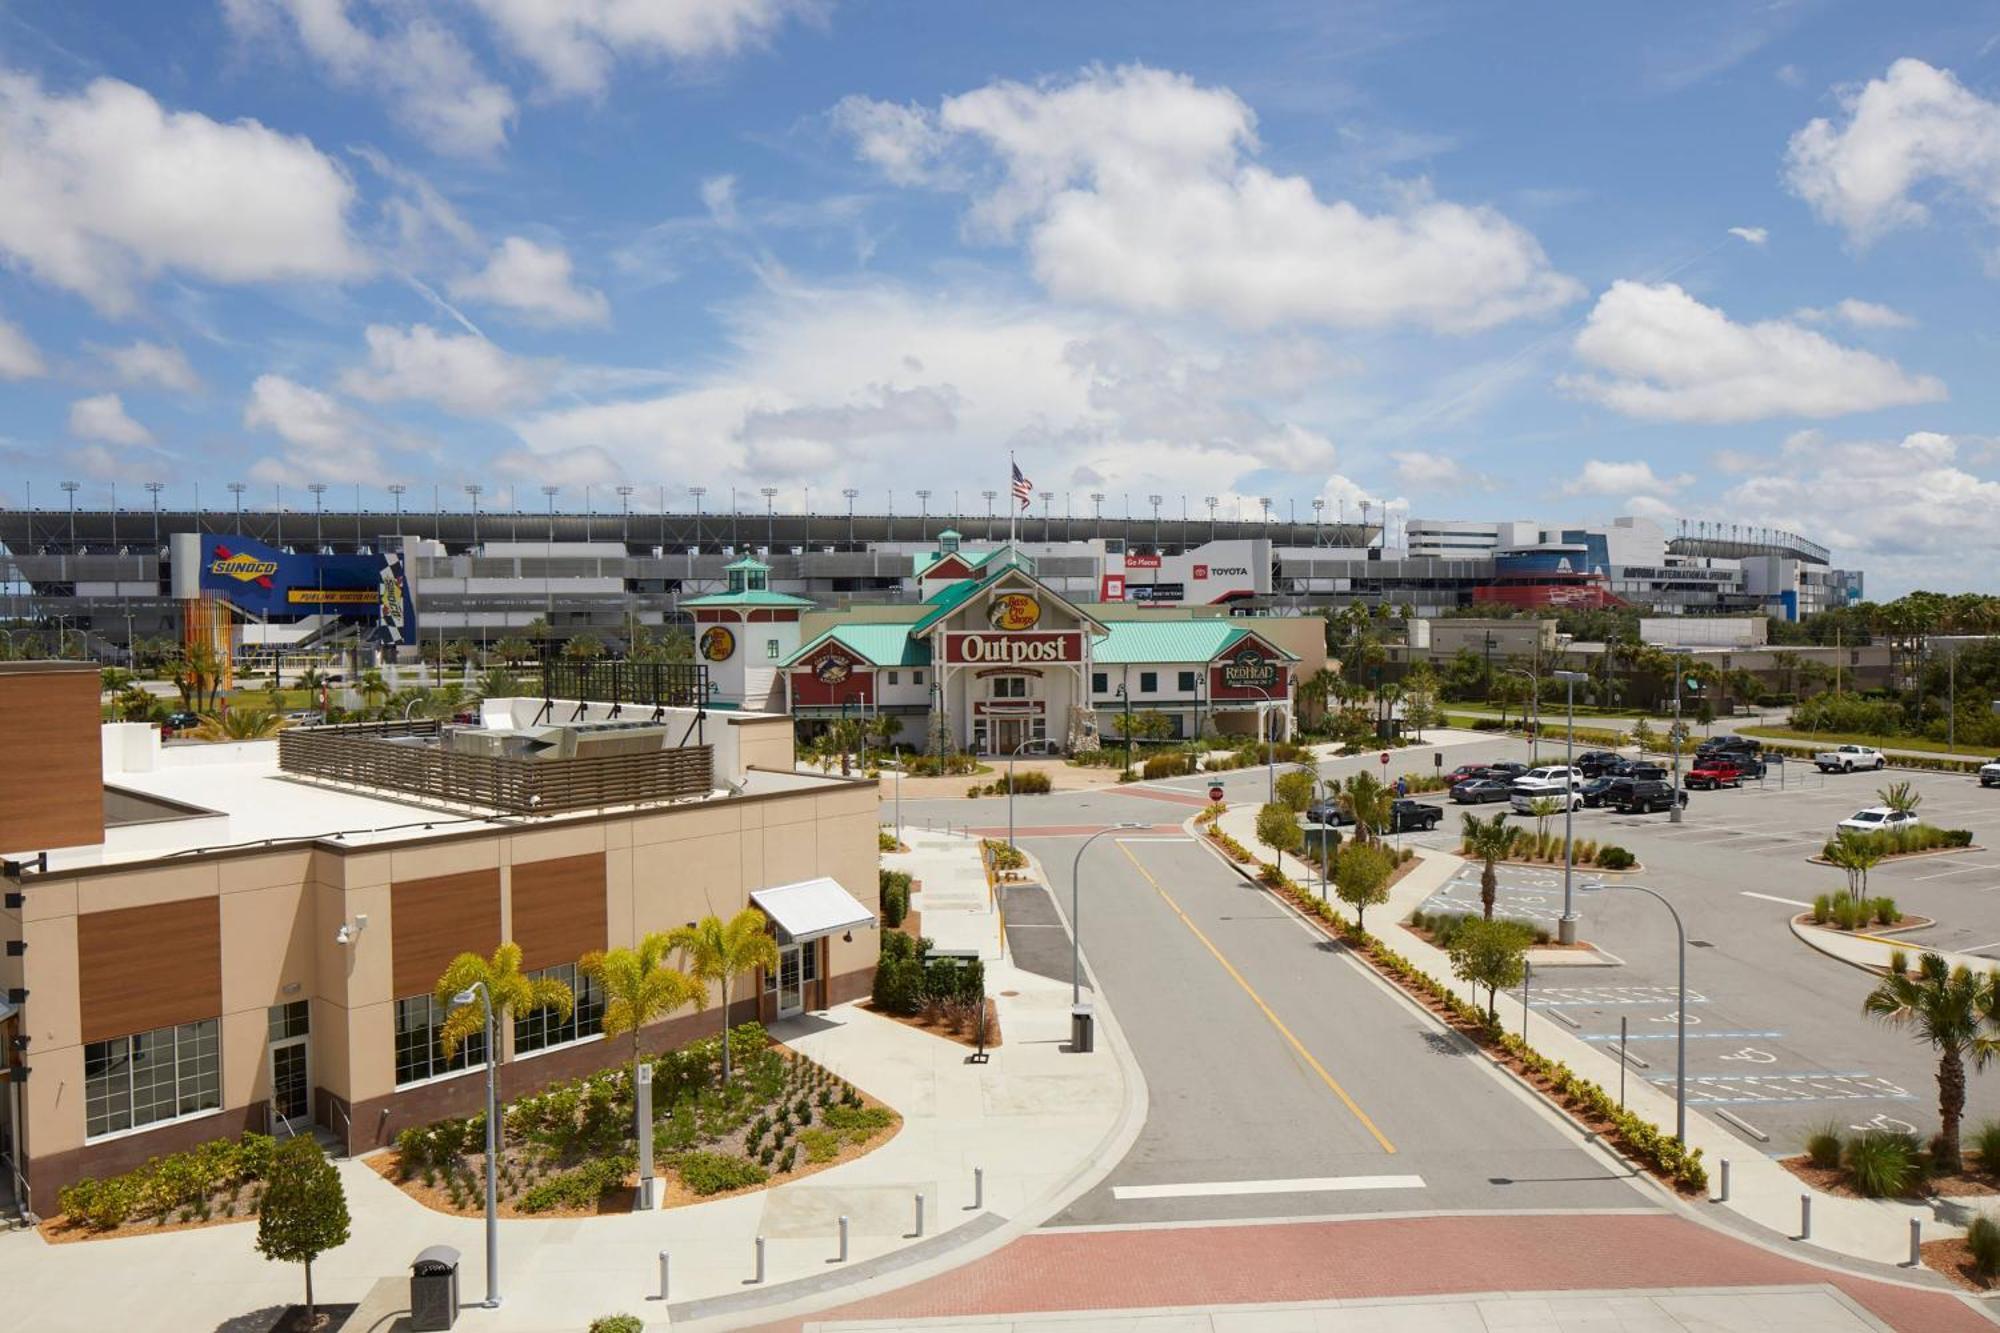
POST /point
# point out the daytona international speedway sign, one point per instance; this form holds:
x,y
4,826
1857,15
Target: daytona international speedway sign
x,y
1015,649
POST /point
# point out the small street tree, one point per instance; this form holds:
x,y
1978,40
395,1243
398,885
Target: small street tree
x,y
1947,1008
1644,737
1491,840
1278,828
1295,789
639,988
304,1213
1855,853
1492,954
1543,808
720,951
1361,878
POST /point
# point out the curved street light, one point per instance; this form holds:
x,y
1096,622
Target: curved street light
x,y
1680,1015
478,991
1075,901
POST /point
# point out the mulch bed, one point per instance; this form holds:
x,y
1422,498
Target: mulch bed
x,y
60,1230
963,1036
331,1319
1968,1184
1953,1258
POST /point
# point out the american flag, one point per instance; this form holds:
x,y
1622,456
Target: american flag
x,y
1023,488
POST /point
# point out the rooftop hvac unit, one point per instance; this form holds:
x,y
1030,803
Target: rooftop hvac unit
x,y
597,740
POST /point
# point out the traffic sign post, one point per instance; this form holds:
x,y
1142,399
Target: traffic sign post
x,y
1385,758
1215,792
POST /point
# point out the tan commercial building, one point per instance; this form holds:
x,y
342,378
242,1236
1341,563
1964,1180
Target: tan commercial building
x,y
207,938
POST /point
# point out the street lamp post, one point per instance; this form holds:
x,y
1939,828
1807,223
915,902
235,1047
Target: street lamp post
x,y
1075,902
1567,926
1270,747
1535,696
479,991
1681,1052
1012,755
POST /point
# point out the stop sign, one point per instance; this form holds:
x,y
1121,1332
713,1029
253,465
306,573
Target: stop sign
x,y
1215,792
1385,758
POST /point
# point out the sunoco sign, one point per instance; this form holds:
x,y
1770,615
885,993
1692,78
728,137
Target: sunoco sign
x,y
1015,649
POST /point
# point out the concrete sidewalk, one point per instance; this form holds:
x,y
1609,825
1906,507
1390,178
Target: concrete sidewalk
x,y
1043,1125
1871,953
1761,1190
1818,1309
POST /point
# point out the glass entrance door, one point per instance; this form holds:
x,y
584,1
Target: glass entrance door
x,y
791,981
291,1083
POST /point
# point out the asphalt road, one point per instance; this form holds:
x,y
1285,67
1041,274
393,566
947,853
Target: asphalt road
x,y
1271,1057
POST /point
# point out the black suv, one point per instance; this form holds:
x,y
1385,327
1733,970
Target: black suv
x,y
1728,746
1645,796
1595,763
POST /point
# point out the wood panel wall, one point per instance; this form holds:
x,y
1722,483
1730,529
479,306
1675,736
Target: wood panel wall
x,y
436,920
51,759
141,968
559,909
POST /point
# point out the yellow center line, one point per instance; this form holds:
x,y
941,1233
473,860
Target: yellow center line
x,y
1258,1000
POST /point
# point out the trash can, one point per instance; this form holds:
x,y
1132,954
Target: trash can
x,y
434,1290
1082,1038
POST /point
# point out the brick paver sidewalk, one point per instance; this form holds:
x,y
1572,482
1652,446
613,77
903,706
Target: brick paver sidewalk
x,y
1166,1267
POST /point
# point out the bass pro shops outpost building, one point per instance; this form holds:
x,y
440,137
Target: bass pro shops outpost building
x,y
206,938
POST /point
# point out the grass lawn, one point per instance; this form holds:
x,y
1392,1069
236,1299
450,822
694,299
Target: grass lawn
x,y
1555,709
1918,744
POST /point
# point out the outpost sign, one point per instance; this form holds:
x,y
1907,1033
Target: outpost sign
x,y
1016,649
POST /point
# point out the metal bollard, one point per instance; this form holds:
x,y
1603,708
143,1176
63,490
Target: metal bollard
x,y
1805,1217
843,1239
760,1262
978,1188
1723,1195
920,1216
1916,1242
663,1275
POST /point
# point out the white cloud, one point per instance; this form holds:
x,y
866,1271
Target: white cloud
x,y
575,44
325,442
534,281
1915,127
1754,235
433,85
718,196
1857,314
158,365
878,387
20,359
1137,190
1910,511
103,418
1437,473
1601,477
106,188
1669,357
461,373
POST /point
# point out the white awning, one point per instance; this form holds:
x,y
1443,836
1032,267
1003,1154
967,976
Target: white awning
x,y
811,909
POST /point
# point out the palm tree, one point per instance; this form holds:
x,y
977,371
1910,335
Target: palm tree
x,y
374,689
1369,802
1900,797
1855,853
241,724
513,649
1543,808
720,951
1947,1007
883,729
638,986
509,990
1490,840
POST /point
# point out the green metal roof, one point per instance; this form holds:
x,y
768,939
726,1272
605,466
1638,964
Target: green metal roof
x,y
1129,641
748,562
752,597
882,645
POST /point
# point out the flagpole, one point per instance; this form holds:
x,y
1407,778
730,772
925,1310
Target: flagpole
x,y
1013,507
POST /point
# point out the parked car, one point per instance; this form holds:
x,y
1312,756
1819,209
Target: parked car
x,y
1595,763
181,721
1989,774
1505,769
1594,790
1463,773
1408,816
1554,782
1647,797
1329,813
1728,745
1716,771
1847,758
1879,819
1480,791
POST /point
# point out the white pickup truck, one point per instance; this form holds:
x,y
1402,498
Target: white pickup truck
x,y
1555,783
1989,774
1847,758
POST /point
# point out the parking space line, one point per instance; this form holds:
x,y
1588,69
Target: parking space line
x,y
1258,1000
1961,870
1670,1036
1773,898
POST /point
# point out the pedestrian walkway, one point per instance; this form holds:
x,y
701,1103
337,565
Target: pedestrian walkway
x,y
1441,1273
1042,1125
1820,1309
1761,1191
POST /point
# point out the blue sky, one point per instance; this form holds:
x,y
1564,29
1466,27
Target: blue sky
x,y
1720,262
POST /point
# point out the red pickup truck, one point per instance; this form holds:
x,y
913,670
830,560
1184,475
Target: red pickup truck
x,y
1712,773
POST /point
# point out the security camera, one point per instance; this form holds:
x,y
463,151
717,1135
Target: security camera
x,y
348,932
345,935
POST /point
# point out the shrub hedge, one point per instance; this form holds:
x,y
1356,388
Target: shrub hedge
x,y
895,897
181,1180
1903,841
713,1172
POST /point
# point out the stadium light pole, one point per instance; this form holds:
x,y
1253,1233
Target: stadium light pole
x,y
154,488
625,513
473,489
69,489
236,488
770,494
990,495
923,515
1155,500
1319,509
1097,510
548,559
1568,924
396,489
850,493
697,492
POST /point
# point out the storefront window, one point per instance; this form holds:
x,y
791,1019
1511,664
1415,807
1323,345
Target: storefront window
x,y
1149,682
545,1027
151,1077
1100,682
419,1052
1187,682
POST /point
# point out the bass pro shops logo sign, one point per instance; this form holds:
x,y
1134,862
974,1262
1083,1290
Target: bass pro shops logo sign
x,y
1013,611
717,643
